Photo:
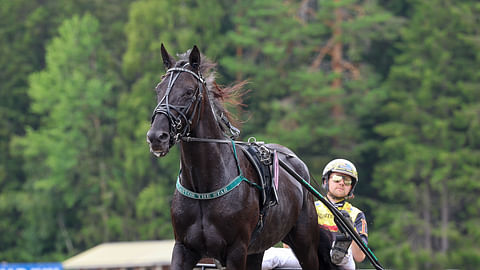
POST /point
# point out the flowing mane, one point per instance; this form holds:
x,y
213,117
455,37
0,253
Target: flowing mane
x,y
219,96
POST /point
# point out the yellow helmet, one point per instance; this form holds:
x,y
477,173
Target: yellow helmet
x,y
341,166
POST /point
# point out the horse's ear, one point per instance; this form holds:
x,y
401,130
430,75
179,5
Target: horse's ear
x,y
168,61
194,58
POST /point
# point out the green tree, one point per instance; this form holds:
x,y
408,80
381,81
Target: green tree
x,y
25,28
264,37
305,63
430,156
179,25
66,198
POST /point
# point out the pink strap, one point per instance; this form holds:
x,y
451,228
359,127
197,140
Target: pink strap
x,y
275,168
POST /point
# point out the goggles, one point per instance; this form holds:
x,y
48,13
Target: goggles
x,y
347,180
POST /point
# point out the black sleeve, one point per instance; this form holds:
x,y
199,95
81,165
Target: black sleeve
x,y
361,226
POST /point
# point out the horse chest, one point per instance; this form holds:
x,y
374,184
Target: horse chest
x,y
218,213
202,220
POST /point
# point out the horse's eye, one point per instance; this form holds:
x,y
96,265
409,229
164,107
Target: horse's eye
x,y
189,92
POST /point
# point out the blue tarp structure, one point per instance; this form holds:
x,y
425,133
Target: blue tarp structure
x,y
31,266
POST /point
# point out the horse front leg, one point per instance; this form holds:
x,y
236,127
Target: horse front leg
x,y
237,257
254,261
183,258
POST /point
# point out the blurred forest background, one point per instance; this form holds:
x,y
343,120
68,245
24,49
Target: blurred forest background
x,y
392,85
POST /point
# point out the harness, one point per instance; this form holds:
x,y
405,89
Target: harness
x,y
219,192
262,159
180,124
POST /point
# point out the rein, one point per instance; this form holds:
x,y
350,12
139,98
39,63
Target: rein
x,y
251,140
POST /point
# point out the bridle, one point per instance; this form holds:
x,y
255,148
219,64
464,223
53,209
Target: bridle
x,y
180,123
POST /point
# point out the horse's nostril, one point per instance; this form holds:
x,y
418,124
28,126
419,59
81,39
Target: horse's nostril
x,y
157,136
163,136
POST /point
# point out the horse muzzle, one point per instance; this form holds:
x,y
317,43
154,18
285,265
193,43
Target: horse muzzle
x,y
159,142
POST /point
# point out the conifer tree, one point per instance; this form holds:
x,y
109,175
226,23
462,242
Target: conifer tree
x,y
304,63
67,195
25,28
429,164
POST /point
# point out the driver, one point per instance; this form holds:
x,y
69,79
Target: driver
x,y
339,179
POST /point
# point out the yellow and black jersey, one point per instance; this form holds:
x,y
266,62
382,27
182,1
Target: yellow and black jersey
x,y
326,218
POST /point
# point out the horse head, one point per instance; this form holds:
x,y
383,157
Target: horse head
x,y
179,98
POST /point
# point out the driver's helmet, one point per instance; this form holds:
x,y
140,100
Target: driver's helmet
x,y
340,166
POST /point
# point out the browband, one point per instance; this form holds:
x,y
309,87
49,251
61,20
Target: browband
x,y
189,71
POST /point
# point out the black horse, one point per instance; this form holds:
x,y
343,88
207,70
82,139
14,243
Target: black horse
x,y
216,209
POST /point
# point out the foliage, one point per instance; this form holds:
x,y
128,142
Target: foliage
x,y
391,85
62,160
429,155
26,26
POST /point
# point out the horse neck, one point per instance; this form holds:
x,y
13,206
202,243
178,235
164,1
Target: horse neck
x,y
207,166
